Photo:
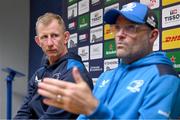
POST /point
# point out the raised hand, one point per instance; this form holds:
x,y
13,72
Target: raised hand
x,y
73,97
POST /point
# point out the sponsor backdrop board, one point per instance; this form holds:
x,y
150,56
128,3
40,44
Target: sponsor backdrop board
x,y
175,58
94,41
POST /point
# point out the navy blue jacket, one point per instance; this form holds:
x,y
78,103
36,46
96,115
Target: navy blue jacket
x,y
33,107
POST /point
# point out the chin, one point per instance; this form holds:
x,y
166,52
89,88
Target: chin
x,y
52,56
121,53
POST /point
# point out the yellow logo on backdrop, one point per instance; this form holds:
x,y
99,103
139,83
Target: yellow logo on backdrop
x,y
107,32
167,2
171,39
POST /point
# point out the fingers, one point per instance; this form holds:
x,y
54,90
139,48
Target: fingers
x,y
46,94
60,105
56,82
52,102
76,75
49,90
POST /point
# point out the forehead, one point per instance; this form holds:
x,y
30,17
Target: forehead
x,y
49,24
122,20
53,26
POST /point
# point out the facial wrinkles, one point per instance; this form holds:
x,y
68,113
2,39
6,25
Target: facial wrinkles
x,y
53,47
140,48
131,47
122,39
121,36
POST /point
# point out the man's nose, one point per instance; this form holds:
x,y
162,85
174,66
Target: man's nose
x,y
121,33
50,41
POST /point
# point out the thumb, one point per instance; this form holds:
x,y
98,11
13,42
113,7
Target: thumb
x,y
76,75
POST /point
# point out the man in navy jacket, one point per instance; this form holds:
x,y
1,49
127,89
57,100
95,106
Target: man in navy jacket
x,y
52,37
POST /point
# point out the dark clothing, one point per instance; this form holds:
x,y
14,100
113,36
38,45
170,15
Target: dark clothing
x,y
33,107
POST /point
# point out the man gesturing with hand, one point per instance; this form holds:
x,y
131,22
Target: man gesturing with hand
x,y
73,97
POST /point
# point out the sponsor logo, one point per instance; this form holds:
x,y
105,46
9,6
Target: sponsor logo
x,y
168,2
83,37
175,59
72,40
72,11
96,34
72,25
83,6
109,49
110,64
171,16
96,51
84,52
109,2
96,17
83,21
114,6
107,32
95,68
110,52
95,2
171,39
151,3
70,2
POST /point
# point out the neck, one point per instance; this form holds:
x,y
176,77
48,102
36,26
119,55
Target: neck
x,y
54,59
133,58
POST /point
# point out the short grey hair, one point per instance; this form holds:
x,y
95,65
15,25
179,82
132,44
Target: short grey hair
x,y
48,17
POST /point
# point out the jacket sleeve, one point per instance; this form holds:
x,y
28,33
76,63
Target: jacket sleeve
x,y
162,99
82,70
25,112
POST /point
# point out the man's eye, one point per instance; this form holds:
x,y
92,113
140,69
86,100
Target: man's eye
x,y
44,37
117,27
54,35
130,28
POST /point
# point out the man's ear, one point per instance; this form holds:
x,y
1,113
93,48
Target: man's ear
x,y
67,35
153,35
37,41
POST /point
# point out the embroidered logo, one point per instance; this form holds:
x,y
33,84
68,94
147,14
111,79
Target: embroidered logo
x,y
104,82
56,75
129,7
135,85
151,21
166,114
37,80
